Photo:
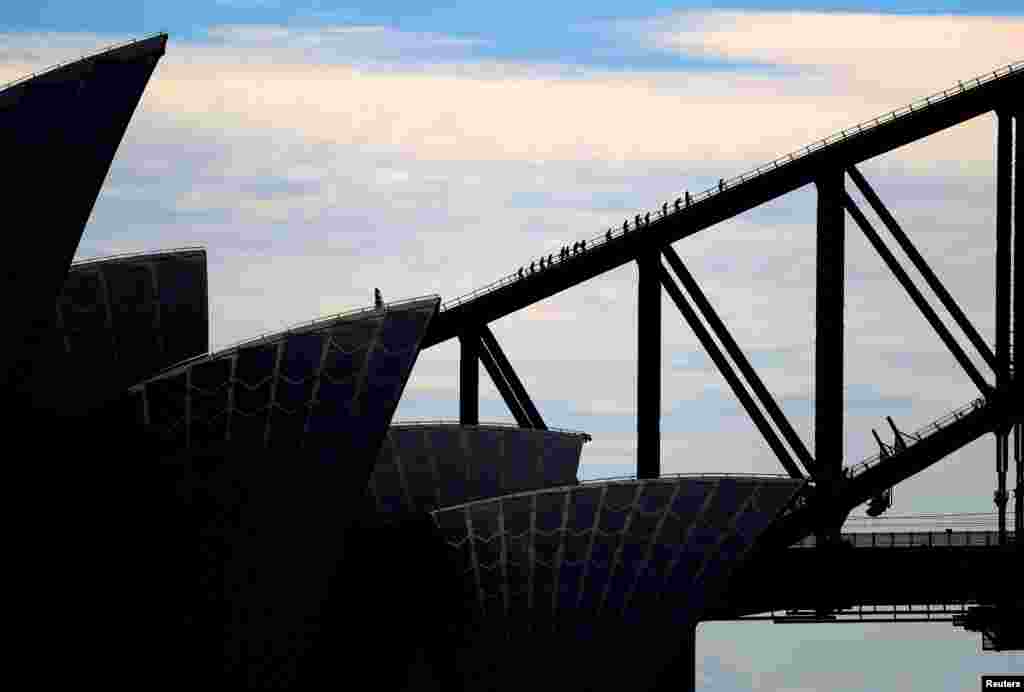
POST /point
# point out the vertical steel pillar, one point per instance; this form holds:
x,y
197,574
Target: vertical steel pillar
x,y
1018,253
828,376
1004,249
1001,496
1018,502
648,366
469,378
1018,324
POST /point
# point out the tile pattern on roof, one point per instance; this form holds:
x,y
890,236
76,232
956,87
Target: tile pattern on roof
x,y
133,317
422,468
342,379
615,550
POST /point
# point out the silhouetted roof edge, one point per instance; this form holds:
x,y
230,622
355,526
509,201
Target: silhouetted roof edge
x,y
301,328
153,45
413,424
140,255
780,479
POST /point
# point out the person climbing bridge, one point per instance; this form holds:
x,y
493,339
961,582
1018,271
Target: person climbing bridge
x,y
625,226
533,269
687,193
378,301
664,208
721,184
647,219
520,272
608,235
679,201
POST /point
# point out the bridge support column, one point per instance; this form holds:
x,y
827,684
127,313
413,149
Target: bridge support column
x,y
1018,502
1004,261
1017,383
648,356
828,376
828,357
469,378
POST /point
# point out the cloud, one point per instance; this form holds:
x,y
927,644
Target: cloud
x,y
364,44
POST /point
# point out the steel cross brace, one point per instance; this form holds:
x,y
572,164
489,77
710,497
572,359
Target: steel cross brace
x,y
716,355
922,266
915,295
507,382
736,353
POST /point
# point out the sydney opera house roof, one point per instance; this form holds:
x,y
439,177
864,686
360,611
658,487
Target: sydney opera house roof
x,y
119,319
427,465
339,374
473,548
610,548
60,131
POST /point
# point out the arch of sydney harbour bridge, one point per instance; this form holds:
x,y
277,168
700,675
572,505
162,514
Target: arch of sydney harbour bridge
x,y
254,518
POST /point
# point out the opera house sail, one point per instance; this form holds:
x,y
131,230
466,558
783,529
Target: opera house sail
x,y
60,130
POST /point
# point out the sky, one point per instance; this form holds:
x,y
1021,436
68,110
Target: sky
x,y
321,149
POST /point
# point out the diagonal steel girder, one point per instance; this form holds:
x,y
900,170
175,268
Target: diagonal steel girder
x,y
690,315
886,474
915,295
736,353
503,386
503,375
921,265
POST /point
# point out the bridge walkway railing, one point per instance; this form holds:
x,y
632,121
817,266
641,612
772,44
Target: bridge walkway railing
x,y
913,437
725,184
917,539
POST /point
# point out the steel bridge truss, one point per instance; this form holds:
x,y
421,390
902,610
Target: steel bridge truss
x,y
833,491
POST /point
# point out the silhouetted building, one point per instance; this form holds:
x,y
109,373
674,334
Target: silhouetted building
x,y
250,518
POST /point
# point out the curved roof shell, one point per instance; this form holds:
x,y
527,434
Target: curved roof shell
x,y
119,320
585,587
424,466
59,131
334,379
610,549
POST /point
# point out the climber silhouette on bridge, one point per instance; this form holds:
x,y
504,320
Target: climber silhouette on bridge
x,y
608,235
647,219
